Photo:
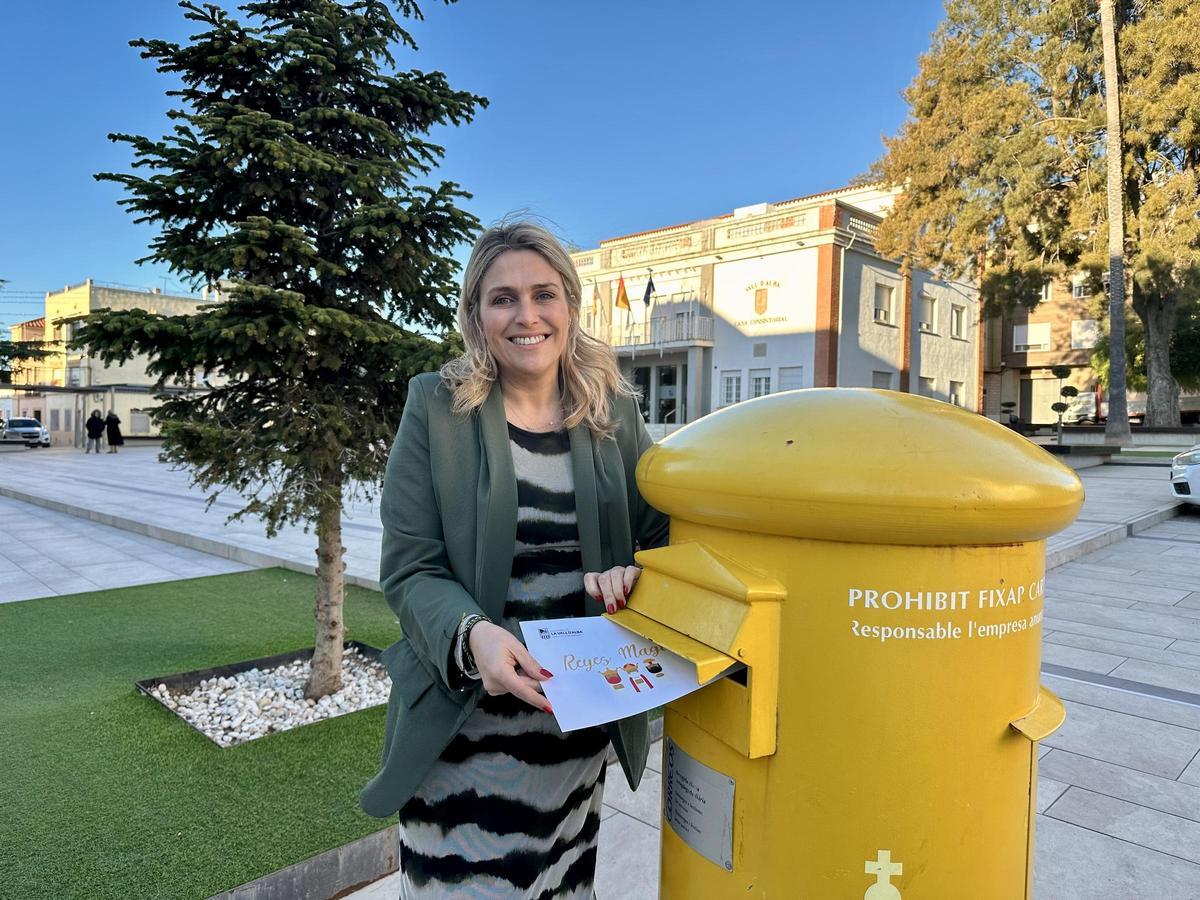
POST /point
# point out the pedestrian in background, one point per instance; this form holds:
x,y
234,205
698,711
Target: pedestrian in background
x,y
95,428
112,425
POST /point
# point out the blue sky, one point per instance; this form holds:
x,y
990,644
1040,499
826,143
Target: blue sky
x,y
605,118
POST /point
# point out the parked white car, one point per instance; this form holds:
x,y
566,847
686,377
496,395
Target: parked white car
x,y
29,430
1185,476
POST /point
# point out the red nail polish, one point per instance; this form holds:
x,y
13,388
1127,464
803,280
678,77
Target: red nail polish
x,y
548,709
547,673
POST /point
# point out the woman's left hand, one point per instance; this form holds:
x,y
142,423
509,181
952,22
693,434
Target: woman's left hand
x,y
612,587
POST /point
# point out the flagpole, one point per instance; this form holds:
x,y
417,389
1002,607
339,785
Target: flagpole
x,y
647,302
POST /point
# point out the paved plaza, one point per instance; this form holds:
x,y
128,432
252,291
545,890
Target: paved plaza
x,y
133,492
1119,786
44,552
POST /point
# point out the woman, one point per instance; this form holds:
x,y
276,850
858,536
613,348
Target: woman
x,y
512,476
112,425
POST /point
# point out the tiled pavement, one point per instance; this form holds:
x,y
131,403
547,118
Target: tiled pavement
x,y
43,553
1120,500
134,492
1119,788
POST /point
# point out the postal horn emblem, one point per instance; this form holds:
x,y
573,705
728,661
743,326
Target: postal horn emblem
x,y
760,301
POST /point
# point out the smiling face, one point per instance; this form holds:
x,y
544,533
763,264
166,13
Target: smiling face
x,y
524,315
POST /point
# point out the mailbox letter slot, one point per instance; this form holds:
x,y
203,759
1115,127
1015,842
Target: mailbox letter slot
x,y
714,612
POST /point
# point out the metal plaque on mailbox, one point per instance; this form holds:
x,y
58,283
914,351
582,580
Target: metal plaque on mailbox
x,y
698,805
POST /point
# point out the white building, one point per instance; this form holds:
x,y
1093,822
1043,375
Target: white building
x,y
775,297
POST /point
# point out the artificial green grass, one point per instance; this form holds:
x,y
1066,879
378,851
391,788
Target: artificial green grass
x,y
105,794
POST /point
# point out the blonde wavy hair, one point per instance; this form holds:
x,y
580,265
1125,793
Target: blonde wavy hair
x,y
588,372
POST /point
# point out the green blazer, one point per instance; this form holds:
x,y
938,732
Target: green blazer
x,y
449,513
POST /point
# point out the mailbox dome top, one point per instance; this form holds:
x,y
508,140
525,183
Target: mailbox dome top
x,y
863,466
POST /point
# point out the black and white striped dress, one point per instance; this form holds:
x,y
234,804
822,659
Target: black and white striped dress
x,y
512,807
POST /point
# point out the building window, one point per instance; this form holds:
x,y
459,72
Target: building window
x,y
881,380
54,420
1047,292
1079,291
73,376
791,378
928,321
956,393
1034,336
760,382
139,422
926,387
958,321
883,303
731,388
66,420
1085,334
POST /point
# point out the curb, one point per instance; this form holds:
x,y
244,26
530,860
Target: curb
x,y
1154,517
1114,534
327,875
1082,547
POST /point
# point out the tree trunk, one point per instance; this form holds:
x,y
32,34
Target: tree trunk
x,y
1162,391
1116,428
326,675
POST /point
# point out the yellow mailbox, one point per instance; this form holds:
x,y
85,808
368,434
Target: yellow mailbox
x,y
876,560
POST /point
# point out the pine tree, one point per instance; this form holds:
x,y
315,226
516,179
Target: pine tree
x,y
1003,158
14,353
291,179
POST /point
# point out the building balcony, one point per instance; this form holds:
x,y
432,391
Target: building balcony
x,y
669,332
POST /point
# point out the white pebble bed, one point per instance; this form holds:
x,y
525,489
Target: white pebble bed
x,y
234,709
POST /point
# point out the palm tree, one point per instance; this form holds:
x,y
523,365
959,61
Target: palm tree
x,y
1116,429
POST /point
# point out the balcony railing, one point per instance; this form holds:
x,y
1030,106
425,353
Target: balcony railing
x,y
862,225
659,331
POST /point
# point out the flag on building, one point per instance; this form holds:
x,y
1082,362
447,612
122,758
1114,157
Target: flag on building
x,y
597,308
622,301
649,291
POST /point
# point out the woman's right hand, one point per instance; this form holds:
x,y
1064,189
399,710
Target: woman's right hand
x,y
506,667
